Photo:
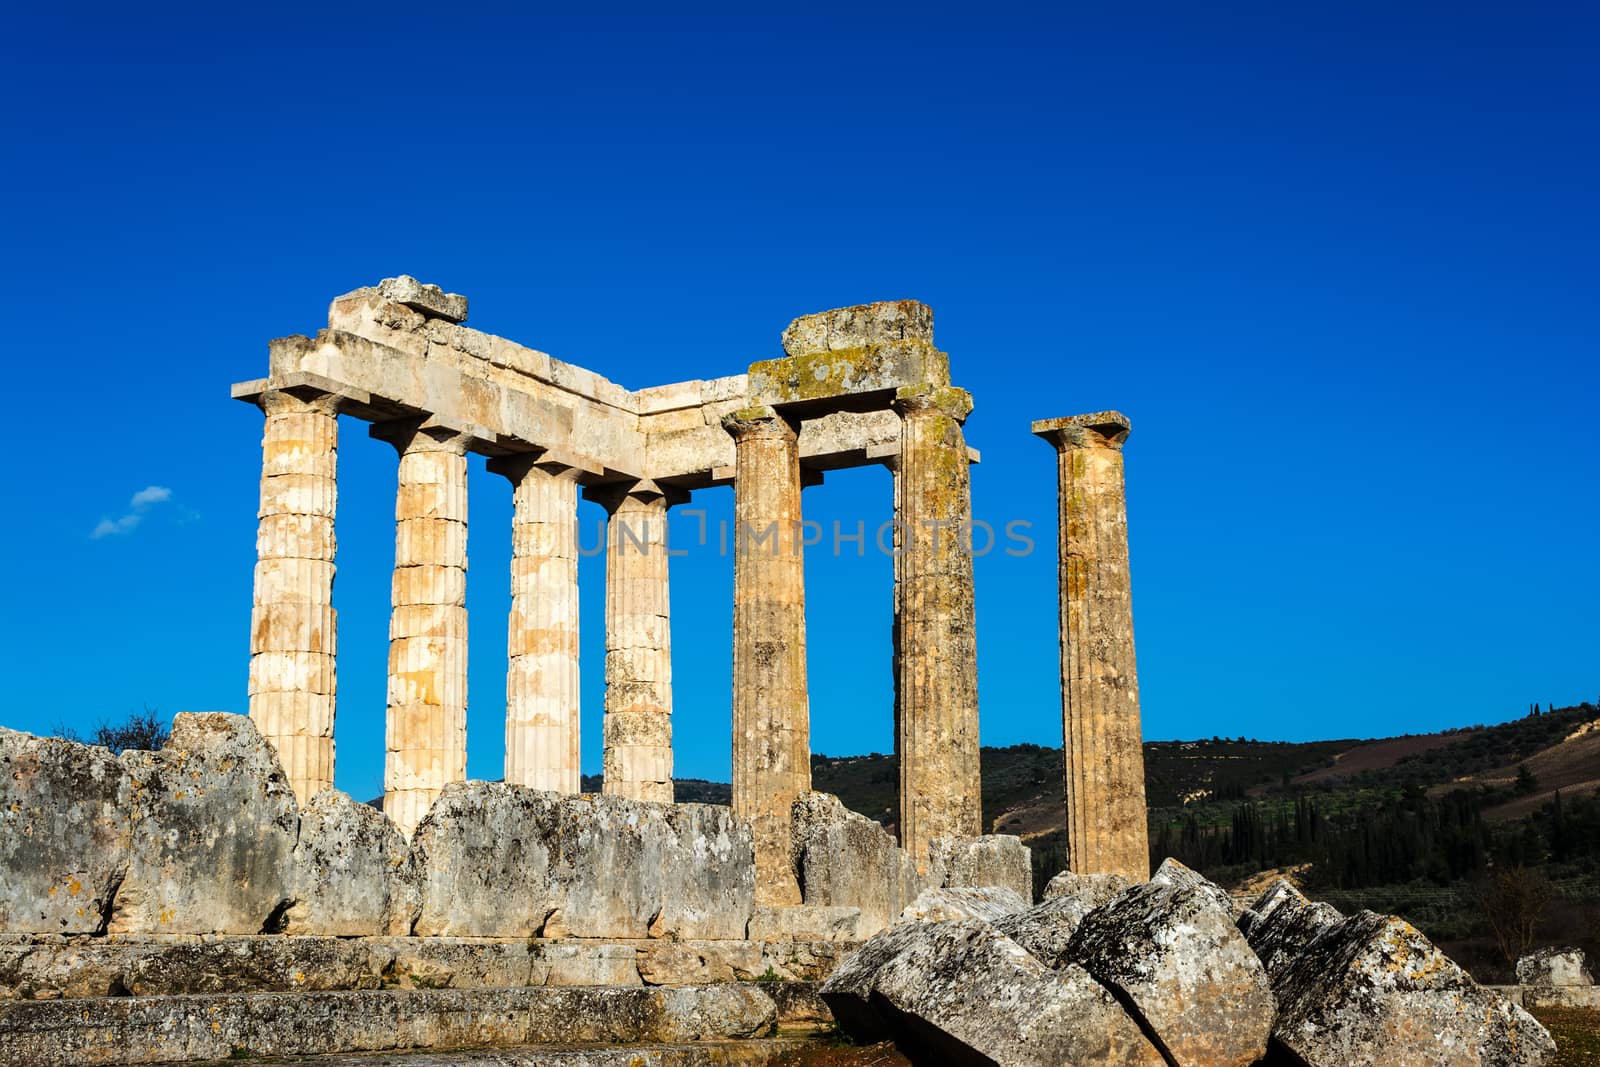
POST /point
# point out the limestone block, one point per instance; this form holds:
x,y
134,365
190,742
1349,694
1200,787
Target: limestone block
x,y
1092,889
1282,922
804,922
1555,967
483,861
885,322
707,875
800,961
260,964
681,963
213,828
453,963
960,992
606,859
989,903
67,967
1171,953
1046,929
1373,991
847,860
428,299
1175,874
352,872
850,366
575,963
988,860
63,835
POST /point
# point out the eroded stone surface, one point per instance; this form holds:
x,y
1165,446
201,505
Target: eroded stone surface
x,y
63,835
479,840
1560,967
1092,889
989,860
428,299
1373,991
990,903
804,922
352,872
213,825
1170,950
847,860
961,992
1282,922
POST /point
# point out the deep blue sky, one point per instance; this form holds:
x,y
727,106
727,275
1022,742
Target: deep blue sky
x,y
1338,266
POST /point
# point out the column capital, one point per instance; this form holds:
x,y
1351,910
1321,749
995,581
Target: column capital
x,y
421,434
283,401
516,467
645,490
1100,429
942,399
759,421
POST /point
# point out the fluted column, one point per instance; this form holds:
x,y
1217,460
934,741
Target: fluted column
x,y
771,714
293,631
427,719
637,729
937,657
542,690
1107,827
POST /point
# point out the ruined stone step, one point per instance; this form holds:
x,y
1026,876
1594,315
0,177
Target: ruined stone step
x,y
261,1026
754,1052
44,968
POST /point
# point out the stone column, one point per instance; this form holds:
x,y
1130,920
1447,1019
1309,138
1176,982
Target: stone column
x,y
293,627
542,691
637,729
937,656
427,720
1107,828
771,715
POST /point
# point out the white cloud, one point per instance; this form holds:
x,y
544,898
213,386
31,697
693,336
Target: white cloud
x,y
141,503
151,494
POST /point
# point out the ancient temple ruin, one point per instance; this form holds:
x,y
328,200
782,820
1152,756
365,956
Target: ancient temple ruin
x,y
856,386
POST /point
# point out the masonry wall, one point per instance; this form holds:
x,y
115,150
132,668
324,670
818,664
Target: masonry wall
x,y
160,868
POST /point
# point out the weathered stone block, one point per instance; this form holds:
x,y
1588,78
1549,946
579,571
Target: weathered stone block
x,y
1092,890
989,860
1555,967
1282,922
63,835
805,922
990,903
259,964
574,963
212,832
1175,874
352,872
606,857
1373,991
847,860
428,299
1169,950
960,992
454,963
483,861
1046,929
885,322
707,875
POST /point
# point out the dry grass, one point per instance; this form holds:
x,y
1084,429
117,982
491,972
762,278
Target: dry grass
x,y
1577,1034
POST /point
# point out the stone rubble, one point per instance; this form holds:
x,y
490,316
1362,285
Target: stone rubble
x,y
1161,973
